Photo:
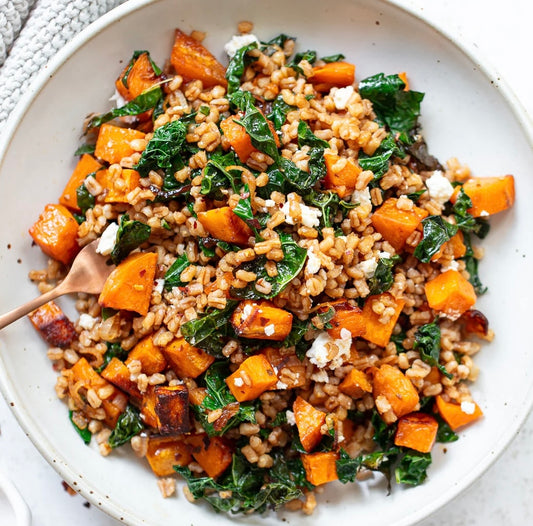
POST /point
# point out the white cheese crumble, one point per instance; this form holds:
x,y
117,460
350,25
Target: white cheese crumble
x,y
329,352
159,284
368,267
108,240
87,322
269,203
238,41
270,329
281,385
439,187
238,382
483,213
290,418
345,334
342,96
320,376
384,255
246,311
118,99
452,265
310,215
362,197
313,262
468,408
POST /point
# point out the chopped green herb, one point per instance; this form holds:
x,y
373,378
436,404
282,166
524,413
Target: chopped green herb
x,y
436,232
129,424
427,343
383,277
130,235
85,148
172,275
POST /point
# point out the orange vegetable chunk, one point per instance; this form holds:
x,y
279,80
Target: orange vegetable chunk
x,y
214,454
172,409
53,325
377,332
455,245
355,384
223,224
86,165
56,232
341,174
403,76
417,431
338,74
489,195
114,143
309,422
117,189
118,374
347,316
185,360
253,377
391,383
261,320
150,356
130,285
396,225
450,293
140,77
288,368
193,61
148,408
164,453
455,415
320,467
237,137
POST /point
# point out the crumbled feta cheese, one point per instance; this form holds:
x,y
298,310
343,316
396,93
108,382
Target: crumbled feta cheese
x,y
118,99
318,354
238,382
342,96
310,215
281,385
320,376
326,351
483,213
468,407
159,284
362,197
439,187
87,322
313,262
269,203
246,311
345,334
384,255
368,267
270,330
238,41
108,239
452,265
290,418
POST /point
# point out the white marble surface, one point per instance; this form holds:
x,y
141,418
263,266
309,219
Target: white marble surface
x,y
498,30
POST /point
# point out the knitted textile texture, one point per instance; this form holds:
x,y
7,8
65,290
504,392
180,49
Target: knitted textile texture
x,y
31,32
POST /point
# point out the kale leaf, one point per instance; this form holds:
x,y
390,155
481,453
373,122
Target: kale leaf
x,y
395,108
172,275
464,220
296,338
217,178
412,468
85,434
379,163
471,265
333,58
279,112
130,235
211,330
383,277
129,424
436,232
143,102
84,198
427,343
85,148
114,350
237,65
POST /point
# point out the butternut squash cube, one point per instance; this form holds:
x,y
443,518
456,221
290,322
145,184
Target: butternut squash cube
x,y
287,366
341,174
377,332
320,468
164,453
53,325
417,431
223,224
261,320
355,384
118,374
114,143
150,356
172,409
117,190
253,377
347,316
86,165
458,415
450,293
391,383
185,360
140,77
309,422
214,454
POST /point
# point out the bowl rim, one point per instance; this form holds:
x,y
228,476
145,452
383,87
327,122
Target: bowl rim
x,y
465,46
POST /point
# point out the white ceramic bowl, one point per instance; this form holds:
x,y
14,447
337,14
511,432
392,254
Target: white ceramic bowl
x,y
465,114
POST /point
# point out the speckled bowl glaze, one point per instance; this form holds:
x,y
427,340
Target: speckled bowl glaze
x,y
466,113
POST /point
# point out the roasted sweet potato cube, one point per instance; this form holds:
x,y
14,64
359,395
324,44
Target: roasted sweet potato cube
x,y
489,195
185,360
309,422
455,246
164,453
237,138
338,74
193,61
56,232
148,408
450,293
261,320
347,316
355,384
341,174
52,324
130,285
114,143
137,77
118,374
86,165
150,356
320,467
287,366
391,383
377,332
117,189
458,415
223,224
214,454
396,225
417,431
253,377
172,409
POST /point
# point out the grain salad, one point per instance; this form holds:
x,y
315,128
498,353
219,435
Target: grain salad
x,y
293,300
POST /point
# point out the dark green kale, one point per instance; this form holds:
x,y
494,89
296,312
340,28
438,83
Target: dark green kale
x,y
210,331
279,112
436,232
243,209
412,468
427,343
333,58
172,275
464,220
471,265
114,350
129,424
85,148
84,433
217,178
329,204
238,63
383,277
316,164
379,163
308,55
296,338
274,44
85,199
131,234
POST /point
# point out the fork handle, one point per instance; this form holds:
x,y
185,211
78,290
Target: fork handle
x,y
15,314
